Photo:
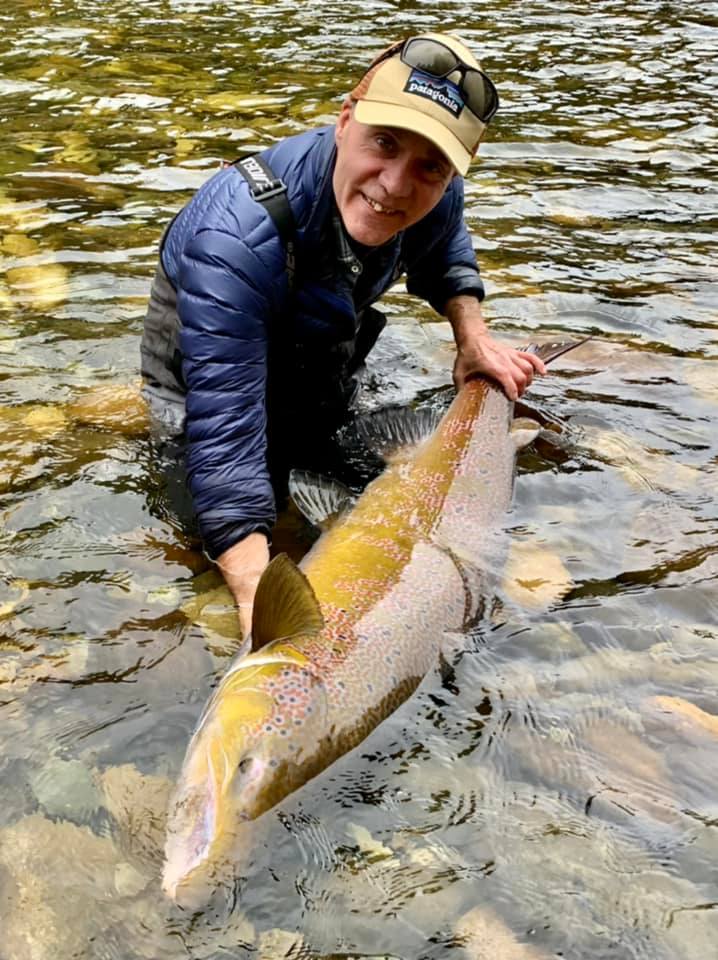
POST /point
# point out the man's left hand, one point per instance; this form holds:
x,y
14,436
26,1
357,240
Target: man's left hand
x,y
513,369
478,353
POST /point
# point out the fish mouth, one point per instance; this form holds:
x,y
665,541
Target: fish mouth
x,y
171,882
195,890
193,886
187,854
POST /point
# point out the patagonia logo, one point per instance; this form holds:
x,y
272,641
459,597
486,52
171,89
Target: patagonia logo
x,y
443,92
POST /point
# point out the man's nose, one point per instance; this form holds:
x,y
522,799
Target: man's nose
x,y
396,177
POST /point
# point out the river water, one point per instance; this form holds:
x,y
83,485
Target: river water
x,y
551,791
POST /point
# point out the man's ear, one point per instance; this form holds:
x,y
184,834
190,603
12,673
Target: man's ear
x,y
343,119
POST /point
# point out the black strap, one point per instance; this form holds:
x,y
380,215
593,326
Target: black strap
x,y
272,192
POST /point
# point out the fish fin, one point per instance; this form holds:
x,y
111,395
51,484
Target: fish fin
x,y
392,429
473,582
320,500
549,351
285,604
524,431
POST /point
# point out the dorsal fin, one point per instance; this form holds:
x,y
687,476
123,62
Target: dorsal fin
x,y
392,429
284,605
319,499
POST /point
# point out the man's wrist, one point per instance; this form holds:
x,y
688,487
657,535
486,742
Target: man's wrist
x,y
242,564
466,318
218,540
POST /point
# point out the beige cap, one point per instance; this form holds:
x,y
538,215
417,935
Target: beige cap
x,y
393,94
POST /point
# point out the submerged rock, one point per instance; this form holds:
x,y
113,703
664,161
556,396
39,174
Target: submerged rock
x,y
138,803
367,844
45,420
16,796
214,611
45,902
687,714
13,592
40,287
65,788
20,671
535,577
118,407
485,936
275,944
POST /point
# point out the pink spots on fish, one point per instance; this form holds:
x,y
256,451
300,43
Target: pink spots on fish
x,y
370,590
392,548
455,429
331,646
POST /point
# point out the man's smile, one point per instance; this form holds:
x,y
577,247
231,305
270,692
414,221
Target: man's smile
x,y
379,207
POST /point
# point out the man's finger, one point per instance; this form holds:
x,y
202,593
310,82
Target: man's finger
x,y
527,369
511,388
535,361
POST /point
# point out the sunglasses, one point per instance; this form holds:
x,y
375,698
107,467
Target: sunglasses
x,y
438,60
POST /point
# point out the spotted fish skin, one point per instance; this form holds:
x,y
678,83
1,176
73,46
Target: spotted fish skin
x,y
388,579
390,576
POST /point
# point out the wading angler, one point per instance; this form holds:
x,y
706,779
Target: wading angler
x,y
262,313
262,308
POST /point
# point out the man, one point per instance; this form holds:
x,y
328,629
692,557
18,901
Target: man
x,y
243,361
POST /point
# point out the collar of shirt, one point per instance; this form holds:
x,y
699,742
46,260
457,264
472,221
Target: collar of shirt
x,y
349,262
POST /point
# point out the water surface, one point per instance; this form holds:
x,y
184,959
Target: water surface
x,y
553,792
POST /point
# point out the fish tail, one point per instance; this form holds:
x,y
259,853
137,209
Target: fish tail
x,y
549,351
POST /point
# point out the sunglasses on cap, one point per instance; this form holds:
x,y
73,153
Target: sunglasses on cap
x,y
435,58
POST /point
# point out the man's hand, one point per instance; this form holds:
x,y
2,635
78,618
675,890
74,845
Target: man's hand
x,y
513,369
241,566
478,353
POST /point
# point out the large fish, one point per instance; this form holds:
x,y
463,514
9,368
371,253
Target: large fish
x,y
340,643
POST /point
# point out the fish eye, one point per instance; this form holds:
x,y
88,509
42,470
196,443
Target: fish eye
x,y
245,764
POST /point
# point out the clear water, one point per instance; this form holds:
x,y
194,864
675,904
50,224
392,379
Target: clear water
x,y
551,792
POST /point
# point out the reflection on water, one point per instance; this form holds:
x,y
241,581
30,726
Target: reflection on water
x,y
550,792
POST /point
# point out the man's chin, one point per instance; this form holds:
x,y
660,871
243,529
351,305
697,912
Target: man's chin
x,y
369,230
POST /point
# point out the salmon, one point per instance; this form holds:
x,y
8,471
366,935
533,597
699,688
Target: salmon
x,y
342,640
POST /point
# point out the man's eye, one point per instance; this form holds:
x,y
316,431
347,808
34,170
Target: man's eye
x,y
435,170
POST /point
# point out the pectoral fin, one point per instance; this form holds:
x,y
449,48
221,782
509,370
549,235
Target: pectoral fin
x,y
524,431
284,605
320,500
395,430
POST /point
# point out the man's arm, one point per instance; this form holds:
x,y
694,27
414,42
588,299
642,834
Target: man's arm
x,y
478,353
227,295
241,566
442,269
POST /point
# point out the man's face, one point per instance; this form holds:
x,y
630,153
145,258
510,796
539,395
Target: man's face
x,y
385,179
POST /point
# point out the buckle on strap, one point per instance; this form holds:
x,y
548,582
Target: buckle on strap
x,y
264,191
263,185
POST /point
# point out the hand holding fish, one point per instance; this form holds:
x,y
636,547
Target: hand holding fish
x,y
241,566
478,352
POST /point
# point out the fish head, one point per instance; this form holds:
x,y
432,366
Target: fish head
x,y
248,752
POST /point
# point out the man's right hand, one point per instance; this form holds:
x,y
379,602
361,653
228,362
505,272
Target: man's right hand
x,y
241,566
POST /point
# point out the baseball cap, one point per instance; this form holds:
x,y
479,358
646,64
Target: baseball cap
x,y
433,85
